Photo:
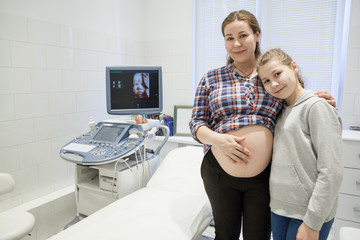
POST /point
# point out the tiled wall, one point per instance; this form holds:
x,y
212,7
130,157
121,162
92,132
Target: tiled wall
x,y
351,94
51,81
168,43
52,78
175,58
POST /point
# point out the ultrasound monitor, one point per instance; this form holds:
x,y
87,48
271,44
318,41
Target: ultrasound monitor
x,y
132,90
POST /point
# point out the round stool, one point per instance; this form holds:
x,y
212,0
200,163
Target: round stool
x,y
15,224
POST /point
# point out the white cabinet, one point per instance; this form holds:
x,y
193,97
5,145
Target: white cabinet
x,y
348,213
99,185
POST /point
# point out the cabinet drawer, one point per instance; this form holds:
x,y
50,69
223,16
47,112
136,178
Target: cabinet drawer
x,y
349,208
351,182
351,153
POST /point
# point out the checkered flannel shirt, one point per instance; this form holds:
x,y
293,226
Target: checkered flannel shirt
x,y
226,101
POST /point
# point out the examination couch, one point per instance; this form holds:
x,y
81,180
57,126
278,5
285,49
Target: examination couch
x,y
173,205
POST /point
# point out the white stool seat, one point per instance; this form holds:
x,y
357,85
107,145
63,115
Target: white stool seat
x,y
15,224
349,233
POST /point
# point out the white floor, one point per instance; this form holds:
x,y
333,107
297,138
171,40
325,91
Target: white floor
x,y
210,235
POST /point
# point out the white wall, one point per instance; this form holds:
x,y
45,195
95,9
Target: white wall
x,y
53,55
168,37
351,94
106,16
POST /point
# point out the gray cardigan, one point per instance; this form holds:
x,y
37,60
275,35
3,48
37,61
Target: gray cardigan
x,y
307,170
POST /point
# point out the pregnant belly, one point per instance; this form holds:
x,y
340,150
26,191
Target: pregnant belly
x,y
259,141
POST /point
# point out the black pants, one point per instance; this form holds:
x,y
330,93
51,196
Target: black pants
x,y
237,202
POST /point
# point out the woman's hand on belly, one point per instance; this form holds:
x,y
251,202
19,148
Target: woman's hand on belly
x,y
230,146
255,139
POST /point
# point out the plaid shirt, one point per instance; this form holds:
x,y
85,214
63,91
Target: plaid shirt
x,y
226,101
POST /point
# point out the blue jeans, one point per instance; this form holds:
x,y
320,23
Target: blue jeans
x,y
284,228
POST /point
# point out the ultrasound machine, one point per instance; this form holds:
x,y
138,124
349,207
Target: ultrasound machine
x,y
113,160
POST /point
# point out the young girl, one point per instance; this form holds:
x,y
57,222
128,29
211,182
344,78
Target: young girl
x,y
306,170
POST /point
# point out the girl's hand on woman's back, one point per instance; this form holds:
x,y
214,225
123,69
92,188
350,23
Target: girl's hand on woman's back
x,y
328,97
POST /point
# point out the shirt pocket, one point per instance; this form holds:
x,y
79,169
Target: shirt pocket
x,y
285,185
248,94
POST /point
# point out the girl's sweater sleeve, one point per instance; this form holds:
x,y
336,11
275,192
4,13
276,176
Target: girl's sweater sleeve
x,y
326,137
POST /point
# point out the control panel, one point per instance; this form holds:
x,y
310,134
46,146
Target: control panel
x,y
108,143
